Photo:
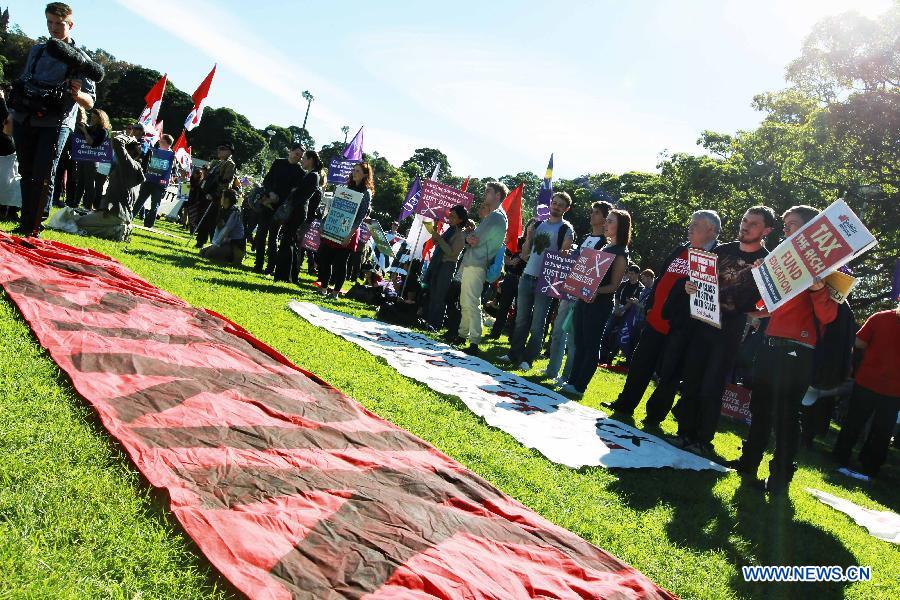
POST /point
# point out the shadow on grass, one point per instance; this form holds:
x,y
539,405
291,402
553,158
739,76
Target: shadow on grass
x,y
193,261
754,530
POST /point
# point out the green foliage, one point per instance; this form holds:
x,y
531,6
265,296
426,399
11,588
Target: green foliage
x,y
423,162
223,124
391,185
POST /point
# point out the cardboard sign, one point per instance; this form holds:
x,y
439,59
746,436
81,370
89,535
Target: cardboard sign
x,y
364,234
380,239
338,222
554,270
312,238
339,170
702,271
437,200
840,285
829,241
83,151
736,403
160,167
587,273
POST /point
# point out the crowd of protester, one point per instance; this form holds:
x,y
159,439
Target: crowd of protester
x,y
637,313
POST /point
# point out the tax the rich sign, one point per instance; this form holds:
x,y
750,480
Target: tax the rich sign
x,y
554,270
437,199
702,271
829,241
587,273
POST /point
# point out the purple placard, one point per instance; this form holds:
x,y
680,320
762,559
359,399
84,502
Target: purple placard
x,y
895,288
339,170
438,198
83,151
312,238
554,270
587,273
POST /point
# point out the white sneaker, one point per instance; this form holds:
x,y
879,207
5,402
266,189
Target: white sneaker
x,y
505,358
570,389
524,366
559,381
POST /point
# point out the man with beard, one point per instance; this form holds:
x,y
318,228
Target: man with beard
x,y
712,350
554,235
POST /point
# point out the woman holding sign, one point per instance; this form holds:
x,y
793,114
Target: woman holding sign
x,y
590,316
332,256
305,199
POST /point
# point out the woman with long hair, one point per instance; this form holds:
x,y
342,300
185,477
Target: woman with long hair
x,y
448,246
305,199
589,317
332,256
89,181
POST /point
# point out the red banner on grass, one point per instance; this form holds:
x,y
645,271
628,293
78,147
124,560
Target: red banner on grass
x,y
289,488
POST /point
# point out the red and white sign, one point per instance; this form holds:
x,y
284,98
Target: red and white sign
x,y
587,273
702,270
736,403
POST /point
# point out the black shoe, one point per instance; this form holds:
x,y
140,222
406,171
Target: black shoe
x,y
740,466
619,409
777,487
651,426
454,340
257,269
472,350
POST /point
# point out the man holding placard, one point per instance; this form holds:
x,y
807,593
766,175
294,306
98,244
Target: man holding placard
x,y
784,364
552,235
158,171
719,302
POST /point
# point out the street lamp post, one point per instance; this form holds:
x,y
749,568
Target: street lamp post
x,y
346,130
309,98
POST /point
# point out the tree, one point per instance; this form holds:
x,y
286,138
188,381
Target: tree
x,y
425,159
391,185
223,124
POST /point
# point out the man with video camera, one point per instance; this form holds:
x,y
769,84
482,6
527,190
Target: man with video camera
x,y
58,77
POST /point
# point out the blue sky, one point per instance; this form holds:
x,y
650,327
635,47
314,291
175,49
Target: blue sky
x,y
496,85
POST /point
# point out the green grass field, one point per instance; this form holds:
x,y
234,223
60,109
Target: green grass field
x,y
76,520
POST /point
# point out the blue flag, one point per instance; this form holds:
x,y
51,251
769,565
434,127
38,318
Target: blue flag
x,y
542,211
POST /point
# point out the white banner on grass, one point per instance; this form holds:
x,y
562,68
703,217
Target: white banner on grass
x,y
564,431
883,524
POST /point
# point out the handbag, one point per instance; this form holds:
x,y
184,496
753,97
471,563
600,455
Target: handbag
x,y
283,212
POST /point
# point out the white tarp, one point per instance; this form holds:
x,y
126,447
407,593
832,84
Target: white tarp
x,y
564,431
885,525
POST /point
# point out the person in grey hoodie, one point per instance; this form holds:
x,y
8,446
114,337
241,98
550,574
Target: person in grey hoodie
x,y
482,246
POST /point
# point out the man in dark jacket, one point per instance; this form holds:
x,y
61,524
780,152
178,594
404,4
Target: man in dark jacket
x,y
221,175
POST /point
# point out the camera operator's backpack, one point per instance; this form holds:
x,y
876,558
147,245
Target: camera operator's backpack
x,y
36,98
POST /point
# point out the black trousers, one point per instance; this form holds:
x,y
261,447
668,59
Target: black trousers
x,y
332,266
454,313
669,370
781,376
589,323
439,277
508,290
709,361
287,262
265,242
207,224
640,370
864,404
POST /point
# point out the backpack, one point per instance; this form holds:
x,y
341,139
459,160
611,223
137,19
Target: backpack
x,y
496,267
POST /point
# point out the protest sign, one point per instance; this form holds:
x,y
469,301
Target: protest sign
x,y
736,403
840,285
587,273
160,167
554,270
339,170
829,241
83,151
312,237
364,234
437,200
380,239
338,223
702,271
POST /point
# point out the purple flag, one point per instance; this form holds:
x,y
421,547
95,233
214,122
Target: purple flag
x,y
412,199
542,212
895,288
354,150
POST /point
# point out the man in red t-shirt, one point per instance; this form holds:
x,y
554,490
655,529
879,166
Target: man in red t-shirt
x,y
702,233
876,391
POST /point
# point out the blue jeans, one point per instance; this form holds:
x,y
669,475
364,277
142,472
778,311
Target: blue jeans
x,y
38,150
155,192
562,343
531,314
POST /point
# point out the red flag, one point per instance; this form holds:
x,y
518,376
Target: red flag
x,y
153,100
199,97
182,152
429,244
512,206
